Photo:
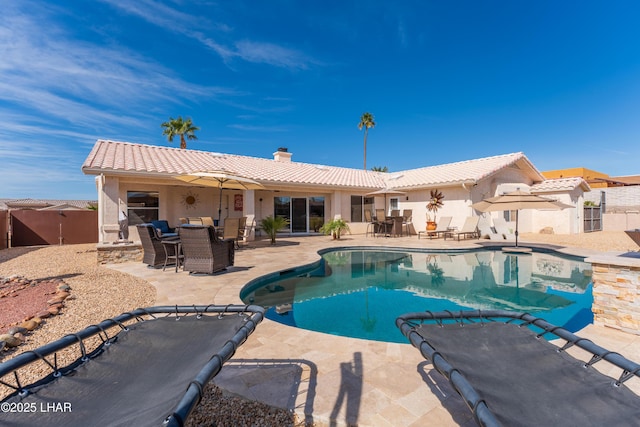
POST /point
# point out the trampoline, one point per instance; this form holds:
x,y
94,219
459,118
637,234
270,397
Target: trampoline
x,y
143,368
508,374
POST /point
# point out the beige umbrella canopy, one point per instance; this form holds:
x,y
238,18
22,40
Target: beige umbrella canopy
x,y
221,180
384,192
516,200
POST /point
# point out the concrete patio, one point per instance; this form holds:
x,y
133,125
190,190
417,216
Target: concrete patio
x,y
329,379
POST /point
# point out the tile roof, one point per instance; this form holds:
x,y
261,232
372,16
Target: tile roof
x,y
560,184
470,171
6,204
138,159
121,157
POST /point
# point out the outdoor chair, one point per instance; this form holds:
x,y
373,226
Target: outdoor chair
x,y
162,226
206,220
407,218
469,229
203,251
242,225
231,229
487,231
441,228
395,212
155,254
371,224
382,221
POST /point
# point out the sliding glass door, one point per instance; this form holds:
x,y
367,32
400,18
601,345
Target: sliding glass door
x,y
306,214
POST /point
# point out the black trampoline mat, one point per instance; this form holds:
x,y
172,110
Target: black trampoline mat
x,y
525,381
137,381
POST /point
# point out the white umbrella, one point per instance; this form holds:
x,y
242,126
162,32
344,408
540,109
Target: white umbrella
x,y
221,180
384,192
516,200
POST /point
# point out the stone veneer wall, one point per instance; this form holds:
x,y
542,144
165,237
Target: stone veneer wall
x,y
616,292
113,254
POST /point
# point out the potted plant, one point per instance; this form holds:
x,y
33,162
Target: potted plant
x,y
335,227
435,203
271,226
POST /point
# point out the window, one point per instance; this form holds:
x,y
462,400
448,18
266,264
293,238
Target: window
x,y
358,205
282,207
510,215
142,206
393,203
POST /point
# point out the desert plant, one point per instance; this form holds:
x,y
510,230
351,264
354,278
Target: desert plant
x,y
315,223
271,226
335,228
435,203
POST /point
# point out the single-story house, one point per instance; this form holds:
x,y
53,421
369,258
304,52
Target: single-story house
x,y
140,180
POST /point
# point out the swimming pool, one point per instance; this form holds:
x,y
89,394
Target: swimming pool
x,y
360,292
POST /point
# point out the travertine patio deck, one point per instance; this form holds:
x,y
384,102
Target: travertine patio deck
x,y
334,380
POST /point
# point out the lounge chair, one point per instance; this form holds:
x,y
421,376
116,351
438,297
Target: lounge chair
x,y
469,229
487,232
203,251
141,368
442,227
501,227
154,252
509,374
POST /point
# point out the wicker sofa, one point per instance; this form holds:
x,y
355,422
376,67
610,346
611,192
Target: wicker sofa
x,y
203,251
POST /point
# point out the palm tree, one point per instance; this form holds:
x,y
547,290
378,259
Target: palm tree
x,y
179,127
380,169
366,122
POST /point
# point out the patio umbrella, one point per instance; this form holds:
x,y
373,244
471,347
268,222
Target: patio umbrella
x,y
384,192
516,200
221,180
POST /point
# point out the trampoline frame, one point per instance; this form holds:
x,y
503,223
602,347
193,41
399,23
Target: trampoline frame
x,y
193,393
481,412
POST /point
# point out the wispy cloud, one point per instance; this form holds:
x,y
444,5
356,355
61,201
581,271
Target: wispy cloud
x,y
254,128
198,28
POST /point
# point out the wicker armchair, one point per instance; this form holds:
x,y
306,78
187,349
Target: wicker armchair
x,y
154,252
203,251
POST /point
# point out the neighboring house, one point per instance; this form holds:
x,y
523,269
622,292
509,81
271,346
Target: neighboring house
x,y
140,179
46,204
595,179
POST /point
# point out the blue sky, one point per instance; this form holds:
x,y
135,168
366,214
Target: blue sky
x,y
446,81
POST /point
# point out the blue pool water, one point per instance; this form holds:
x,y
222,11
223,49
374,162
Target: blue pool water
x,y
360,293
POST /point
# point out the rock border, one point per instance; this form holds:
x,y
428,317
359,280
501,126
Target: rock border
x,y
17,333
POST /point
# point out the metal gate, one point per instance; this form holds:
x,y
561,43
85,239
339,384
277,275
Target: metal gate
x,y
592,218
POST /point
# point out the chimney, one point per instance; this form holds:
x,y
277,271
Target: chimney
x,y
282,155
